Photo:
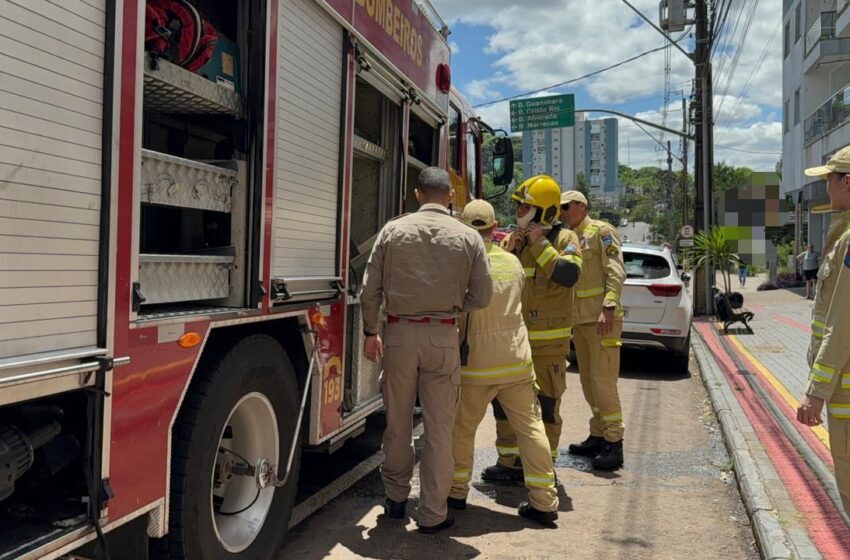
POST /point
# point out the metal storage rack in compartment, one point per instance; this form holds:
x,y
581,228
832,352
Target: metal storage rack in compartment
x,y
171,89
173,181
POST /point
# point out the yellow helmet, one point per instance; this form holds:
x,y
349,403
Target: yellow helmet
x,y
540,191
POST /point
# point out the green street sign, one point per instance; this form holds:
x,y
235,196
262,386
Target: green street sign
x,y
555,111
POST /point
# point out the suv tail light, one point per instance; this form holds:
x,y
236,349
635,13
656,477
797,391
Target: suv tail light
x,y
665,290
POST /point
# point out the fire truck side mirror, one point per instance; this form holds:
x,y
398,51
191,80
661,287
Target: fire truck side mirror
x,y
503,161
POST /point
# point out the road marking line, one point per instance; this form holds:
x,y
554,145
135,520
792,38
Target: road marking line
x,y
819,431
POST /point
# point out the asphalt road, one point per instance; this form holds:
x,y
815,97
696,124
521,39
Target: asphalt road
x,y
676,498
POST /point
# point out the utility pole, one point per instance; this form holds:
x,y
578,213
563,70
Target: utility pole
x,y
685,122
703,150
671,204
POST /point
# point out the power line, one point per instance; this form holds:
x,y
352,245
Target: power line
x,y
589,75
747,151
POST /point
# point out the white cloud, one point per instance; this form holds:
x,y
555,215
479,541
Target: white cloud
x,y
540,43
455,48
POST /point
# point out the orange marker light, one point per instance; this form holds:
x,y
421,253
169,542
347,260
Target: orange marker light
x,y
189,339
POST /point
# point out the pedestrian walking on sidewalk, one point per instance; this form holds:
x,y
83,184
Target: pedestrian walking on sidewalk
x,y
596,334
829,351
425,268
742,272
810,259
551,261
499,366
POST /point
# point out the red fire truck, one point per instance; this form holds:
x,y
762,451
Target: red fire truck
x,y
181,253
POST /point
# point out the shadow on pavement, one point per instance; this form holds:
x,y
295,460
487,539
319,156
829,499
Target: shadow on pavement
x,y
392,539
511,494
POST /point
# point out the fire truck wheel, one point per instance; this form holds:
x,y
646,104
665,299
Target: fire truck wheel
x,y
240,410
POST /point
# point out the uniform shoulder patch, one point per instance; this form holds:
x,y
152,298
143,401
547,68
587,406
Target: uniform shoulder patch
x,y
611,250
607,240
570,249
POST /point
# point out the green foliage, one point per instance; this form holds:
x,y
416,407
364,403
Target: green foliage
x,y
501,201
713,247
582,185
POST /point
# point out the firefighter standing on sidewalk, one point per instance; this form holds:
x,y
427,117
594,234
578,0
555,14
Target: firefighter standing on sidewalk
x,y
829,351
499,365
425,268
597,331
551,263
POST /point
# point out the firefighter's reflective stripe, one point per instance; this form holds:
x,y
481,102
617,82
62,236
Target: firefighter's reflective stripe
x,y
496,372
839,411
821,373
529,272
613,417
611,342
502,267
845,380
612,296
542,480
817,328
551,334
547,255
590,292
462,476
555,453
575,259
507,451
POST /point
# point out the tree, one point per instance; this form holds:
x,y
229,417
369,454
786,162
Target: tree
x,y
582,185
714,247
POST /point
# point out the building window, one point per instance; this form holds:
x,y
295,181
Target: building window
x,y
787,39
797,107
785,117
798,22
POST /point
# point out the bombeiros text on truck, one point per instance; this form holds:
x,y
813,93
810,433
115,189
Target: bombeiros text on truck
x,y
190,192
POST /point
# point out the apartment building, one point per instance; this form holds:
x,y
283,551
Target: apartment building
x,y
816,103
589,148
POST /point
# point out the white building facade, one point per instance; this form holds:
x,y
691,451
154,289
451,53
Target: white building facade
x,y
815,102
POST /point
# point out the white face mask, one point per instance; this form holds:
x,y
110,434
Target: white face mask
x,y
525,220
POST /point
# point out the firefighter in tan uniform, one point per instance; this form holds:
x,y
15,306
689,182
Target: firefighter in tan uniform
x,y
597,331
425,268
551,261
829,351
499,365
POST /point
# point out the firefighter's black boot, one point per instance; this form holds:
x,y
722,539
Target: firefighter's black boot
x,y
610,457
501,473
588,448
395,510
547,518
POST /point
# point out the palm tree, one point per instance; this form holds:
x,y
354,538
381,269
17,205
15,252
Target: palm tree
x,y
714,247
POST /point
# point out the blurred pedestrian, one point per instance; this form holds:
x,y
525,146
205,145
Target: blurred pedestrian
x,y
829,351
425,268
499,366
811,263
742,272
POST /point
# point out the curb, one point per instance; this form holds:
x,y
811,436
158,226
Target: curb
x,y
772,539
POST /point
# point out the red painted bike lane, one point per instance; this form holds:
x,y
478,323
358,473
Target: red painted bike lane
x,y
824,523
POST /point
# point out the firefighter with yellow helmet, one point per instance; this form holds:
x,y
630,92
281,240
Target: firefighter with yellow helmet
x,y
596,334
551,261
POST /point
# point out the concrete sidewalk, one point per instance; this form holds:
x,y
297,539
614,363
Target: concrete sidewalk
x,y
755,380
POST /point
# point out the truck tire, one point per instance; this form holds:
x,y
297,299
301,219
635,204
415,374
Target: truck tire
x,y
245,400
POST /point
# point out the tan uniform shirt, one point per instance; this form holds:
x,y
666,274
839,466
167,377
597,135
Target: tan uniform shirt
x,y
426,264
551,269
498,339
603,272
829,351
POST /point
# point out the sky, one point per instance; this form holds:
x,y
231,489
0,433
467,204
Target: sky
x,y
502,48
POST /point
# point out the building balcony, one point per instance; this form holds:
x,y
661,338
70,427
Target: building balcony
x,y
842,18
822,45
832,114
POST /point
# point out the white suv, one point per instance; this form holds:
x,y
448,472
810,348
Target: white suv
x,y
656,303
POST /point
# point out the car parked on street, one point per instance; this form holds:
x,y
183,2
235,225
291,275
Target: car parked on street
x,y
656,303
